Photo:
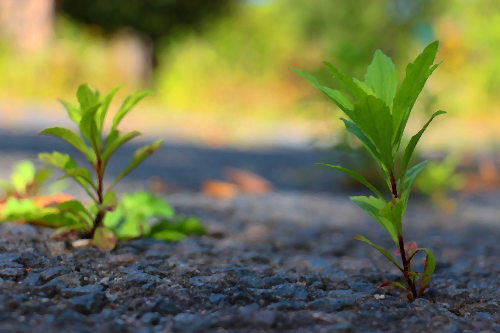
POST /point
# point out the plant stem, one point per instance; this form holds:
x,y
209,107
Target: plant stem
x,y
100,196
406,262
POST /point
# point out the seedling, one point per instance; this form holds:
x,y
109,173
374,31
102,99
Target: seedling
x,y
378,119
97,149
438,179
142,214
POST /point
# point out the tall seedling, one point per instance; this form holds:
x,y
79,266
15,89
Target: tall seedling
x,y
379,119
97,149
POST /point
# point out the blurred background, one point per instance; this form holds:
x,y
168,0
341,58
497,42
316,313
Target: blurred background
x,y
220,71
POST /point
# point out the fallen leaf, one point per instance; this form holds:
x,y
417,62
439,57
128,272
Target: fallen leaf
x,y
219,189
52,200
248,182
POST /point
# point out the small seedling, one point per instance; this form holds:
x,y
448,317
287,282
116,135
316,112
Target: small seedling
x,y
379,119
143,214
97,149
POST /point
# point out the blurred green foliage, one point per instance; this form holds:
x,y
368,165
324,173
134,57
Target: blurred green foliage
x,y
438,180
142,214
155,19
234,59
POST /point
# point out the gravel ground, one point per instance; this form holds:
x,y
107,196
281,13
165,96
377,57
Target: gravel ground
x,y
285,262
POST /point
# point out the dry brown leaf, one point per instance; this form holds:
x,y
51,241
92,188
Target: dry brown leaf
x,y
51,200
248,182
219,189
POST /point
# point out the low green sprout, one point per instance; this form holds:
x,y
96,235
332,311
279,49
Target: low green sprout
x,y
379,119
438,179
135,214
106,220
25,181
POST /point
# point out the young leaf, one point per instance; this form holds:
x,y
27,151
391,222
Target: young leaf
x,y
88,127
334,95
363,86
373,206
430,265
85,96
393,211
69,136
101,113
394,284
169,235
128,104
82,173
64,230
104,239
191,226
115,143
140,155
74,112
381,250
76,208
110,200
358,177
354,129
23,175
346,81
381,77
410,177
374,118
67,164
413,143
416,76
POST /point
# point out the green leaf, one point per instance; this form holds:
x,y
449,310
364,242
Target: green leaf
x,y
381,77
191,226
169,235
393,211
394,284
85,96
74,112
42,175
128,104
354,129
381,250
110,200
140,155
69,136
88,127
81,173
416,77
374,118
116,142
363,86
430,265
373,206
410,177
67,164
103,110
26,209
76,208
358,177
104,239
23,175
65,229
147,204
346,81
336,96
413,143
